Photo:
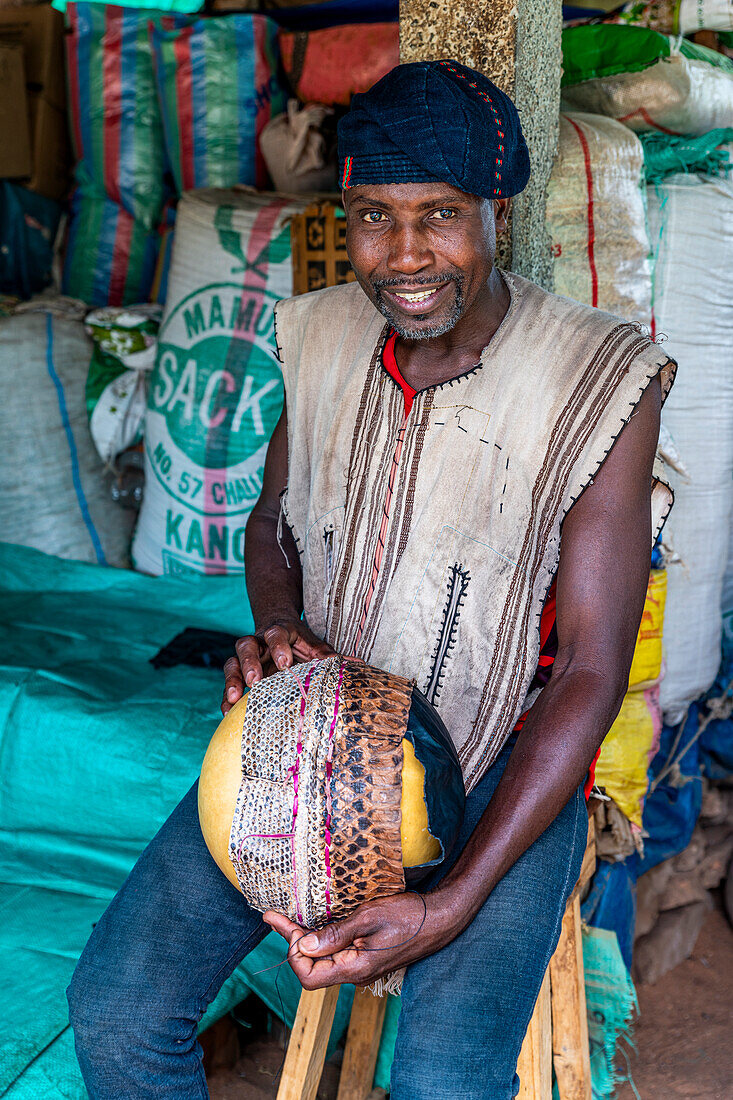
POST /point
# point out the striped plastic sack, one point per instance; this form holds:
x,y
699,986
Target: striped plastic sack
x,y
115,119
166,232
110,256
218,87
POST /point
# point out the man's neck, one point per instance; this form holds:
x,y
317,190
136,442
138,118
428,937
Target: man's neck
x,y
424,363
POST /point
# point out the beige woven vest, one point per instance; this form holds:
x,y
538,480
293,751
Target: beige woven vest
x,y
428,543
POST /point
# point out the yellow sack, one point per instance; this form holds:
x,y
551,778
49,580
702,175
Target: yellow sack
x,y
646,666
627,750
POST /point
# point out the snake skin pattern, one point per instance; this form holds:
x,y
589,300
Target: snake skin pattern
x,y
316,829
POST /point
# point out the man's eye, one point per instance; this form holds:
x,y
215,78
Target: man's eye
x,y
374,217
444,215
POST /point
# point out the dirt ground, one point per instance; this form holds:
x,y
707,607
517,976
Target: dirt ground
x,y
684,1032
683,1036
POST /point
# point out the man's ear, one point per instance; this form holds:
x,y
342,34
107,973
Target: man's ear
x,y
501,213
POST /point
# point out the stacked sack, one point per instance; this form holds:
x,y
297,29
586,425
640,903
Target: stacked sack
x,y
676,16
117,135
148,91
633,739
691,223
54,497
661,88
216,389
596,217
218,87
646,80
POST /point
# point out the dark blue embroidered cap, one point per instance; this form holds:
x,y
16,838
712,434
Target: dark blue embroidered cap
x,y
434,121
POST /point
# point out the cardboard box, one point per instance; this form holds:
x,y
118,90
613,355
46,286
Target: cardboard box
x,y
318,239
51,150
15,148
39,31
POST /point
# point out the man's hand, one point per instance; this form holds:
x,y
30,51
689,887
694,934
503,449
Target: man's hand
x,y
379,937
282,644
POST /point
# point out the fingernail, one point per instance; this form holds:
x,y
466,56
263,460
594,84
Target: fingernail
x,y
281,662
249,678
309,943
232,693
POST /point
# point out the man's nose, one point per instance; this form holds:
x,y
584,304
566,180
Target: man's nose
x,y
408,251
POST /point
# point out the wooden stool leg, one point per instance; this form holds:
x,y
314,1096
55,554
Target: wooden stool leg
x,y
362,1046
570,1049
307,1047
535,1059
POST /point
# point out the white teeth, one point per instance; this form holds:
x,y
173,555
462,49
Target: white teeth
x,y
415,296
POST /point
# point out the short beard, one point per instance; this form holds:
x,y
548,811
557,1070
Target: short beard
x,y
420,333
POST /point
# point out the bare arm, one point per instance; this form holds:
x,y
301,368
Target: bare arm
x,y
601,582
274,585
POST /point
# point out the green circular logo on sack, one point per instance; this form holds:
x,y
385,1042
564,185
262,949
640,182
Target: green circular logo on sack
x,y
215,379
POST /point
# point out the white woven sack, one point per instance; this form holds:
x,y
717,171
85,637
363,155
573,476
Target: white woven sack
x,y
678,16
704,15
675,95
596,217
216,390
54,494
691,228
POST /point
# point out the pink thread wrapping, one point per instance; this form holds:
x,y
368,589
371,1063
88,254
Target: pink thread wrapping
x,y
329,804
294,771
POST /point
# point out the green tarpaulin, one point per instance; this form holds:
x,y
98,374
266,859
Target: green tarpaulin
x,y
96,748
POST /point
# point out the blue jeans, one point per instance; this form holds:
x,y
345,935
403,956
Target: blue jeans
x,y
177,929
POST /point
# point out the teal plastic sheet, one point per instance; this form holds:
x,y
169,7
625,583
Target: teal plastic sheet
x,y
180,7
96,748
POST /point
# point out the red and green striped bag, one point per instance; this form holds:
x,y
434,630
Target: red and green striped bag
x,y
115,118
218,86
110,256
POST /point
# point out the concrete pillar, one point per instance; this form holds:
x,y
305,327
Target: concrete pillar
x,y
516,43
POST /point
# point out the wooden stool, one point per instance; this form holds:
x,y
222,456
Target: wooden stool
x,y
557,1034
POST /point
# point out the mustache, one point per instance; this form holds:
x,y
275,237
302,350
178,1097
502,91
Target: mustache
x,y
418,280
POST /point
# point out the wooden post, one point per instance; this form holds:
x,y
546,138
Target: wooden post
x,y
535,1059
571,1055
362,1046
307,1047
516,43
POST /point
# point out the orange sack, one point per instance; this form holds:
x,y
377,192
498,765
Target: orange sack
x,y
329,65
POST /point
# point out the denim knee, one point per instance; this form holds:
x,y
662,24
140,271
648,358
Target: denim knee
x,y
96,1016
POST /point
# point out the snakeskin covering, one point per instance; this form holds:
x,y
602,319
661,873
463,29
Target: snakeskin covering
x,y
316,829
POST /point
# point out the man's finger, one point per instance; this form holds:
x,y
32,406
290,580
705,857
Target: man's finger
x,y
278,640
332,938
233,683
249,652
308,647
282,924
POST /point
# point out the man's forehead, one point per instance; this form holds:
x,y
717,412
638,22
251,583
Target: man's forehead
x,y
415,196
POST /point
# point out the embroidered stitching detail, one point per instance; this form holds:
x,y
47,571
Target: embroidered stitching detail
x,y
499,124
348,165
458,582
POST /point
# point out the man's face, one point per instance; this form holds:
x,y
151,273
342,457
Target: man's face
x,y
422,252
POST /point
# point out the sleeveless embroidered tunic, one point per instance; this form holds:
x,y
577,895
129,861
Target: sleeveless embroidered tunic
x,y
429,538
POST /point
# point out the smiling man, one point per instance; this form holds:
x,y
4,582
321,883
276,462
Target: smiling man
x,y
460,454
